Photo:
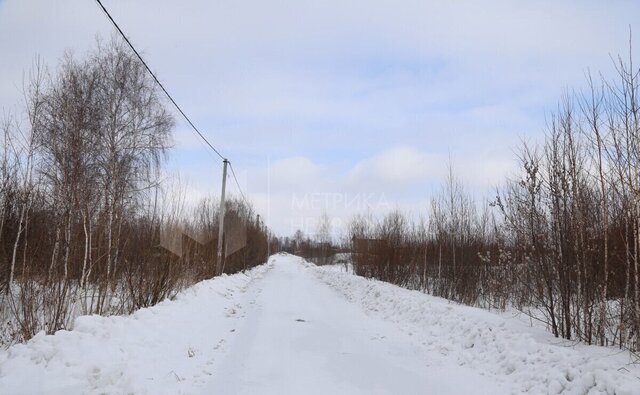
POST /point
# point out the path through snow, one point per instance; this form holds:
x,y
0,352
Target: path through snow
x,y
302,337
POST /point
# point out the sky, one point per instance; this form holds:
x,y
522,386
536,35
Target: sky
x,y
341,107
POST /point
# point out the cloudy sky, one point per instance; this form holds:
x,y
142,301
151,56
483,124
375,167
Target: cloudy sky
x,y
340,106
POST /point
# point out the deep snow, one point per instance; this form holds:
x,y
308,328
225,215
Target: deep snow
x,y
290,327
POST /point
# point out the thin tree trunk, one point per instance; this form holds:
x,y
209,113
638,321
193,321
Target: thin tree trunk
x,y
87,248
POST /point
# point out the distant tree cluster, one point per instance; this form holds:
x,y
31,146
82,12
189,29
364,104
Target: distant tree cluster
x,y
561,242
82,208
319,248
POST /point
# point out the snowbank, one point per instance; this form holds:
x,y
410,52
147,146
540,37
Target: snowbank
x,y
490,343
165,349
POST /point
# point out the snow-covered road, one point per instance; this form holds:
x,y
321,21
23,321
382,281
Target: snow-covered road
x,y
288,327
301,337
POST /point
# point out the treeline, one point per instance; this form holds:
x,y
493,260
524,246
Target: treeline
x,y
319,248
316,250
86,224
561,241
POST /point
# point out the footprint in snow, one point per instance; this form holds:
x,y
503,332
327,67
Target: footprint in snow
x,y
220,345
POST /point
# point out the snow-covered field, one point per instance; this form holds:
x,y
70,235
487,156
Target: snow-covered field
x,y
291,327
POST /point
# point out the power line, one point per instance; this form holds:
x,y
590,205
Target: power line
x,y
158,81
124,36
238,184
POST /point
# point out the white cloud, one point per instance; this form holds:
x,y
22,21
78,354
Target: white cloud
x,y
401,166
292,192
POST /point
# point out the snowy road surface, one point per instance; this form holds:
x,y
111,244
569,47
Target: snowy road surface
x,y
288,327
303,337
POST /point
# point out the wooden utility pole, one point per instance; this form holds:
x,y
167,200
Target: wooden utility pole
x,y
219,264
